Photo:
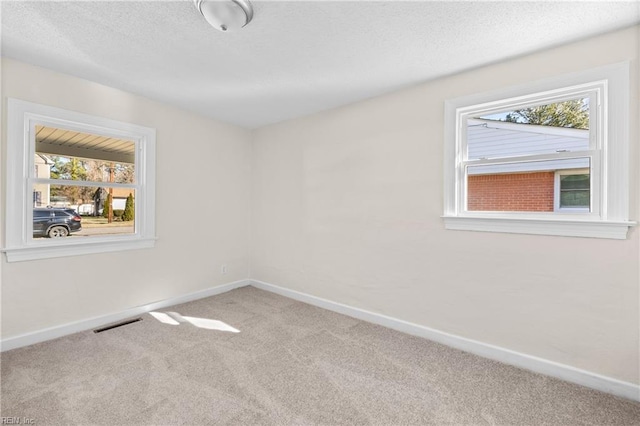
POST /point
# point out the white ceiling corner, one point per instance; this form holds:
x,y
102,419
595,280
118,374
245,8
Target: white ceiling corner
x,y
296,57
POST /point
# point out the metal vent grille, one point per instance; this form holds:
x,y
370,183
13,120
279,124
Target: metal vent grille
x,y
116,325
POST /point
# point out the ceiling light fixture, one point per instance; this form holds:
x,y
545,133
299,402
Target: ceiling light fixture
x,y
226,15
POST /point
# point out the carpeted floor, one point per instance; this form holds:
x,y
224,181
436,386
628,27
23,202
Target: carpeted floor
x,y
290,364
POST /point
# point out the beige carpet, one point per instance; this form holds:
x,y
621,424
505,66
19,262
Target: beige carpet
x,y
290,364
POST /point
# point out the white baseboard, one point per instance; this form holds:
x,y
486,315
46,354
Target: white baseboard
x,y
95,322
507,356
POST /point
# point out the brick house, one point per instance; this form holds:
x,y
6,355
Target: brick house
x,y
531,186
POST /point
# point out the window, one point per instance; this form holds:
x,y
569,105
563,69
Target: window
x,y
572,190
546,158
76,184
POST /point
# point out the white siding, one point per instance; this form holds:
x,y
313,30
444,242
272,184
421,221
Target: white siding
x,y
490,139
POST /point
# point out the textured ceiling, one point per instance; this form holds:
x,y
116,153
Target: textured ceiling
x,y
296,57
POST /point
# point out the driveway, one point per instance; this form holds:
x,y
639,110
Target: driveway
x,y
107,230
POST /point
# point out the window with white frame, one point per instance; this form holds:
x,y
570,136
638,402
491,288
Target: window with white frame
x,y
572,190
546,158
76,184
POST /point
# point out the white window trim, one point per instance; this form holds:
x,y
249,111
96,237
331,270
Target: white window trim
x,y
19,244
556,190
612,218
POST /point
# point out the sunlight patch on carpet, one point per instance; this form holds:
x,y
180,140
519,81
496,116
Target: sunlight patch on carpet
x,y
174,318
164,318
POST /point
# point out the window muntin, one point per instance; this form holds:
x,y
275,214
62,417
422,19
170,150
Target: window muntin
x,y
29,187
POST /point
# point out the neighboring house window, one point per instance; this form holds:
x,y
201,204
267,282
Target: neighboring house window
x,y
58,160
37,198
572,190
546,158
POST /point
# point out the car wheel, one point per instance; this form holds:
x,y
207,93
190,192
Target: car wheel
x,y
58,231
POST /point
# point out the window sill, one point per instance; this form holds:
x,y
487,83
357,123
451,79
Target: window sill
x,y
34,252
568,228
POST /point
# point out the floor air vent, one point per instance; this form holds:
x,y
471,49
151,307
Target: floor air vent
x,y
116,325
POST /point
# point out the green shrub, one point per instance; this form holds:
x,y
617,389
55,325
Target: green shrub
x,y
107,206
129,212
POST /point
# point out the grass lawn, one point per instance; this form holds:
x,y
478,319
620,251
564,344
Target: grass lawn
x,y
101,222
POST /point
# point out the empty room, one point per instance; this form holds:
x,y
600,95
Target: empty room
x,y
233,212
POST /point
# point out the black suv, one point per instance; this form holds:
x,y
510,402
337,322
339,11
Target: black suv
x,y
55,222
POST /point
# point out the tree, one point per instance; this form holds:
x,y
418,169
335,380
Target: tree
x,y
573,114
129,212
107,206
56,167
124,173
64,169
76,171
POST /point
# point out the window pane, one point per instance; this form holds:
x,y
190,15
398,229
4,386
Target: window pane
x,y
574,191
574,182
541,129
69,155
575,199
526,186
83,211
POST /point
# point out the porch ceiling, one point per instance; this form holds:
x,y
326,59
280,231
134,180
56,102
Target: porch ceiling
x,y
69,143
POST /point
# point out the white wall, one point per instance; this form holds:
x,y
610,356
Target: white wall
x,y
346,206
203,163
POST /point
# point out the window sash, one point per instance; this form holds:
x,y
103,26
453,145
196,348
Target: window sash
x,y
595,184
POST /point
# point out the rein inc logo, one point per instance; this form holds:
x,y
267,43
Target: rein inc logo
x,y
17,421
